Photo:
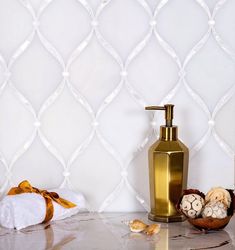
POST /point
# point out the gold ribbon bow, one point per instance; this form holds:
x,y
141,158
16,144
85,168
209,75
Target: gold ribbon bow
x,y
25,187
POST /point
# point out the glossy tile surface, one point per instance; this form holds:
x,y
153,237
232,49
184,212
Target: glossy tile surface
x,y
107,232
75,76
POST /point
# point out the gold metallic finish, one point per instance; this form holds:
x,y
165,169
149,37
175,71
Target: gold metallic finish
x,y
168,170
169,133
168,114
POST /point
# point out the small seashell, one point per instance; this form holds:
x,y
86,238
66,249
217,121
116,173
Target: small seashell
x,y
136,226
219,194
152,229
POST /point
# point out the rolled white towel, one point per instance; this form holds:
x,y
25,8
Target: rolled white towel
x,y
26,209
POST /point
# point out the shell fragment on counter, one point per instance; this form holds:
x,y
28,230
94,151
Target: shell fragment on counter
x,y
191,205
218,194
152,229
138,226
215,209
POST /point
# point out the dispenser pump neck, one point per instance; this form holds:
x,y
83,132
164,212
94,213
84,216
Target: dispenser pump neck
x,y
168,112
167,132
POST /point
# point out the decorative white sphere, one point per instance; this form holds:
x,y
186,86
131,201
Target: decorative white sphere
x,y
192,205
214,209
219,194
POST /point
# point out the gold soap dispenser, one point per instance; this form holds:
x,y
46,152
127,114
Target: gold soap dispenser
x,y
168,170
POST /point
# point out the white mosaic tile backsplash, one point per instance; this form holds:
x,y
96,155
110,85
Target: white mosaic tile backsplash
x,y
75,76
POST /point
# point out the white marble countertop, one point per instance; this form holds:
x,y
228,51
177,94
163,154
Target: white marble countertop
x,y
92,231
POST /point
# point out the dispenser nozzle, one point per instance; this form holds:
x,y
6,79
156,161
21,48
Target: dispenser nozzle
x,y
168,112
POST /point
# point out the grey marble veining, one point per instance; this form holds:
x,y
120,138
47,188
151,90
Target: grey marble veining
x,y
107,232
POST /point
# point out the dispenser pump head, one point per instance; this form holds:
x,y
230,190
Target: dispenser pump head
x,y
168,112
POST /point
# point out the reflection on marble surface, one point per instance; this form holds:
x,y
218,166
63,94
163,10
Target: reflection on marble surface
x,y
106,232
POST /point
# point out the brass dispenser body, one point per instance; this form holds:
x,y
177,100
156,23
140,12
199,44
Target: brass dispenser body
x,y
168,170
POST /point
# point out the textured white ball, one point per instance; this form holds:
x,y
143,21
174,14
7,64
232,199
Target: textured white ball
x,y
192,205
219,194
215,210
